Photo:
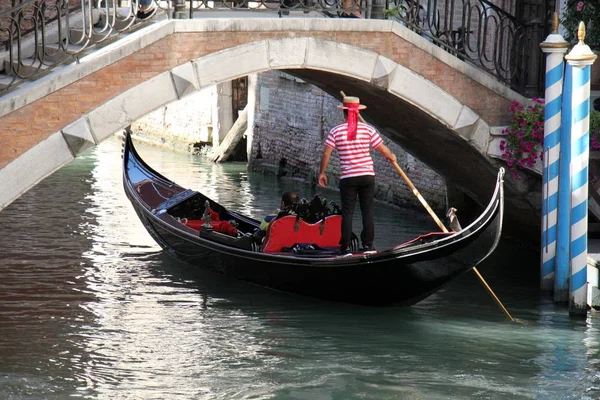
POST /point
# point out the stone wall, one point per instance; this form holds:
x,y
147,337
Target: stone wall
x,y
184,125
292,120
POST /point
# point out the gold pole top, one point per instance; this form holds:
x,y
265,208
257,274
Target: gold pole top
x,y
554,43
581,32
581,54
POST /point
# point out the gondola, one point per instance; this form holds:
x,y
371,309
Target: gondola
x,y
303,260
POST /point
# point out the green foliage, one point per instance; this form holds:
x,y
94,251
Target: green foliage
x,y
587,11
395,11
595,130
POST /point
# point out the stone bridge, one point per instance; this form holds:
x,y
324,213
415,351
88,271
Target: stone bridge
x,y
442,110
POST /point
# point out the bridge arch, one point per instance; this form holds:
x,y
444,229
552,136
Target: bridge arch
x,y
389,89
436,106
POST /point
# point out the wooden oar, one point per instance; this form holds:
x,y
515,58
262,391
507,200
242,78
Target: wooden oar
x,y
441,225
418,195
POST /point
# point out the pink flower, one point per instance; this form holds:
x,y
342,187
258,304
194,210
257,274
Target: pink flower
x,y
580,6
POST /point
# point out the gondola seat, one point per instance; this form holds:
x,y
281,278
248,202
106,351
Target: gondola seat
x,y
218,226
195,224
285,232
244,242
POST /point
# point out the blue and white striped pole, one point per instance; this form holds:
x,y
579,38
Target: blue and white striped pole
x,y
555,46
581,58
563,225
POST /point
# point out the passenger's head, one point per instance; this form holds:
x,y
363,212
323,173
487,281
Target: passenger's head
x,y
290,197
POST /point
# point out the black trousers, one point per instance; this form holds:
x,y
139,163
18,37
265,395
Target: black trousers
x,y
364,187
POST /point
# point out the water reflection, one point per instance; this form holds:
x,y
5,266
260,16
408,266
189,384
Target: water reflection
x,y
90,307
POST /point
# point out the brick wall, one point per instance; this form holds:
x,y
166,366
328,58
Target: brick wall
x,y
27,126
291,122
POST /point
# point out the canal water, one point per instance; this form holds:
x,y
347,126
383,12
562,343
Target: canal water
x,y
91,308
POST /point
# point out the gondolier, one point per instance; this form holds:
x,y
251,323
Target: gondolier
x,y
353,141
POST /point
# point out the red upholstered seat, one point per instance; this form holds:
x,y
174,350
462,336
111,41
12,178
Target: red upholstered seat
x,y
193,223
282,233
218,226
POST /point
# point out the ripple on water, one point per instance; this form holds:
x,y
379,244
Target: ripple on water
x,y
90,307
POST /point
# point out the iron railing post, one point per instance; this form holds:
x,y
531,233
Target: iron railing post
x,y
378,9
178,9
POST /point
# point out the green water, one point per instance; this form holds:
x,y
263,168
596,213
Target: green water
x,y
91,308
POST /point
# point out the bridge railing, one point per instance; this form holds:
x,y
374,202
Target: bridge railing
x,y
37,35
481,33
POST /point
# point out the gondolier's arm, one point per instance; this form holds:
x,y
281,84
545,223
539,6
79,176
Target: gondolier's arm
x,y
386,153
324,162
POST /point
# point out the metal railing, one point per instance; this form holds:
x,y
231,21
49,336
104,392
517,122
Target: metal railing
x,y
482,34
40,34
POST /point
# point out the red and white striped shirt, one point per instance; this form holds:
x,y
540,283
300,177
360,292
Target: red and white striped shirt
x,y
355,155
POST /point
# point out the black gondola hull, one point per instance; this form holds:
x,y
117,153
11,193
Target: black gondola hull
x,y
403,275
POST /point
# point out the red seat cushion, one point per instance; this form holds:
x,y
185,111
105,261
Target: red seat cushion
x,y
193,223
281,233
218,226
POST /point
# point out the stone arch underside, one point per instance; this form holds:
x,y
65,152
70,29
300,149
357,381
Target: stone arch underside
x,y
410,110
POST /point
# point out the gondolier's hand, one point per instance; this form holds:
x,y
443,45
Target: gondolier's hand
x,y
387,153
322,180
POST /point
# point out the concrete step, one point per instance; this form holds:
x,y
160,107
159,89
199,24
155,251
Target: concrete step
x,y
26,68
57,54
81,37
7,80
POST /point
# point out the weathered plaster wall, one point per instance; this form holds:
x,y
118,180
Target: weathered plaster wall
x,y
292,120
184,125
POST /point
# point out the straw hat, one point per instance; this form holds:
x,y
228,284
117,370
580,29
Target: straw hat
x,y
348,100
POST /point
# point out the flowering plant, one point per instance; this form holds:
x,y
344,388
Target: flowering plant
x,y
587,11
595,130
524,136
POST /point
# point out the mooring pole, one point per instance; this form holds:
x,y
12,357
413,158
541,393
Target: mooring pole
x,y
581,58
555,46
563,224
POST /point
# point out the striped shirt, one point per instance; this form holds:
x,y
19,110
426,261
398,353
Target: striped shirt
x,y
355,155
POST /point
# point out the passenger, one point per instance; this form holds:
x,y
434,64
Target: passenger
x,y
287,199
353,141
351,9
146,9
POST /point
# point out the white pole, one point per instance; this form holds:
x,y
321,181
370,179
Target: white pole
x,y
555,46
581,58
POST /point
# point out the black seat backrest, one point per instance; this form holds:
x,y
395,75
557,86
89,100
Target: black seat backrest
x,y
312,211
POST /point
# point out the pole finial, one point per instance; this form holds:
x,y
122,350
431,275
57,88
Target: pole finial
x,y
581,54
555,22
581,32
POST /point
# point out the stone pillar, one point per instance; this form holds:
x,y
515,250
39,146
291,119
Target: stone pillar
x,y
222,113
251,107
